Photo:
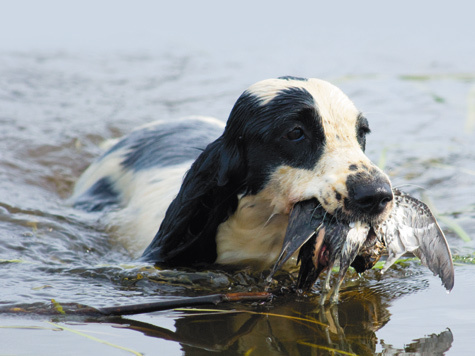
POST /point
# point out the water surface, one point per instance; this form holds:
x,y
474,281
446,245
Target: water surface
x,y
60,99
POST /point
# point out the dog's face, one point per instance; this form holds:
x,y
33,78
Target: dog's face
x,y
304,139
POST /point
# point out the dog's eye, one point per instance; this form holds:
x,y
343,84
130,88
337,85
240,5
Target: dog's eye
x,y
295,135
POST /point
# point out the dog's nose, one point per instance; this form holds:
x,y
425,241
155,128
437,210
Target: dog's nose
x,y
371,198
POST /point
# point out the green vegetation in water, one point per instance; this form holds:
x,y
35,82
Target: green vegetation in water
x,y
58,307
93,338
380,264
401,262
438,99
382,158
3,261
440,76
464,260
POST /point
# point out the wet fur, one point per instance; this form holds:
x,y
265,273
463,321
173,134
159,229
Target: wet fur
x,y
233,204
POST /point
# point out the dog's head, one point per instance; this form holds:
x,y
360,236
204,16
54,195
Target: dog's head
x,y
302,139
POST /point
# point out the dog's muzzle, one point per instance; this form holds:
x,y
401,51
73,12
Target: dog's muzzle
x,y
369,196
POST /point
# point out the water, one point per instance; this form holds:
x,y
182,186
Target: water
x,y
66,86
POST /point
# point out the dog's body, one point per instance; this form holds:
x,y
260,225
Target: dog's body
x,y
287,140
138,177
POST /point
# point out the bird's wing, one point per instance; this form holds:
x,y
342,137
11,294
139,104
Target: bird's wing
x,y
411,227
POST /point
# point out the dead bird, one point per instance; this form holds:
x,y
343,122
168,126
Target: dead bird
x,y
323,240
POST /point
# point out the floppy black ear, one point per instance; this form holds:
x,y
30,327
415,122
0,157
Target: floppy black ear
x,y
206,198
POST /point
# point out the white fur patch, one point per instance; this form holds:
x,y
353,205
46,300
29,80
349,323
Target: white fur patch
x,y
146,198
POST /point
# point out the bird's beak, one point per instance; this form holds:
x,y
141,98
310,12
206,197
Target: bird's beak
x,y
304,220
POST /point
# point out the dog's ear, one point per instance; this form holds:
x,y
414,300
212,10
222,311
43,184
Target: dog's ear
x,y
231,165
206,198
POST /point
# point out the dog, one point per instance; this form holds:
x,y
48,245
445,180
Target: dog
x,y
287,140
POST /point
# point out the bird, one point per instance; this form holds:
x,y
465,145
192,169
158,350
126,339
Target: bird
x,y
323,240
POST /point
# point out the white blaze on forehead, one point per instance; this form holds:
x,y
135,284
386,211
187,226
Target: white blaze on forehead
x,y
329,99
268,89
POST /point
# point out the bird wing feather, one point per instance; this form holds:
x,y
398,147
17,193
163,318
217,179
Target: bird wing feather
x,y
411,227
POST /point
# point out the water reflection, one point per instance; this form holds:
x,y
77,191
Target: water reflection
x,y
432,345
291,326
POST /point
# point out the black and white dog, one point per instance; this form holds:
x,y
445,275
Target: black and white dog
x,y
287,140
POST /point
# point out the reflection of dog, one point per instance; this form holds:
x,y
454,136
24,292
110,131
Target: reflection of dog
x,y
287,140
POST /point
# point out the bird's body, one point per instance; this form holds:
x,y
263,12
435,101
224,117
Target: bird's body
x,y
323,241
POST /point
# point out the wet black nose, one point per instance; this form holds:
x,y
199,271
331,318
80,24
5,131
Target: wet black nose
x,y
371,198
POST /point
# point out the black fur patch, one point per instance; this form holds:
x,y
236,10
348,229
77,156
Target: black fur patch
x,y
362,129
260,132
98,197
187,234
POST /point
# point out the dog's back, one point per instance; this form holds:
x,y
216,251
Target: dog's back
x,y
137,178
